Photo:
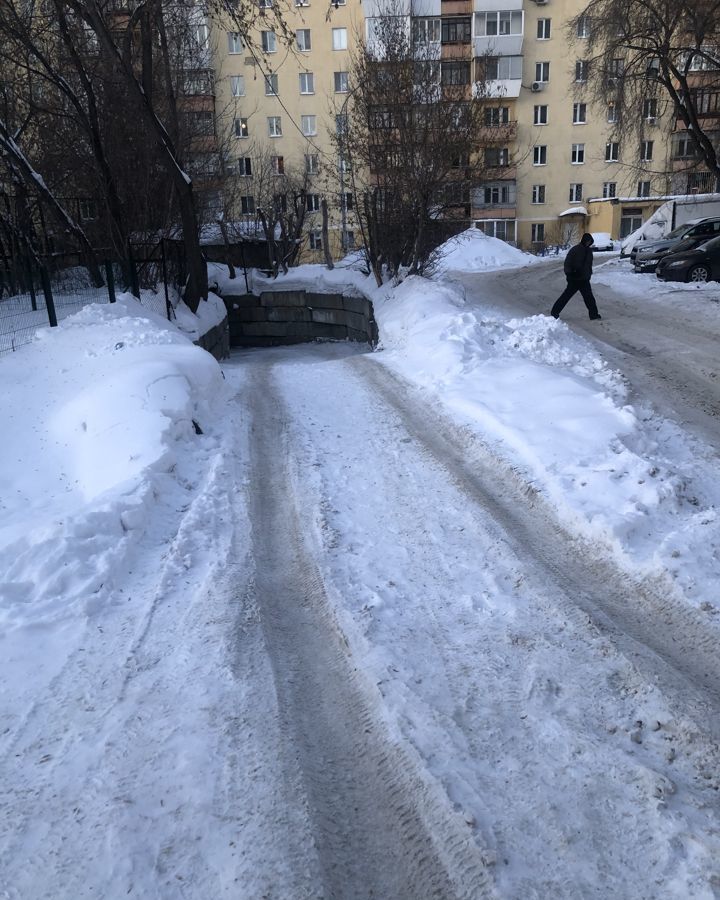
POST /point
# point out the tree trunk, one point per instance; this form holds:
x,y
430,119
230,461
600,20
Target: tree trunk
x,y
325,236
226,242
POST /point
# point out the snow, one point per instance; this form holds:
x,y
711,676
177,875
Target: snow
x,y
574,211
125,618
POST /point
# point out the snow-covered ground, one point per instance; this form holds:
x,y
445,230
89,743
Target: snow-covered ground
x,y
143,747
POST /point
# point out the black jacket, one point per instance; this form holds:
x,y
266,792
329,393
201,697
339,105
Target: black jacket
x,y
578,263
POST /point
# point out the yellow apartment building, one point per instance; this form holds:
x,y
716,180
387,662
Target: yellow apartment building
x,y
553,167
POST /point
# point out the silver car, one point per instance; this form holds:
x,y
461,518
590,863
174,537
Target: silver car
x,y
646,254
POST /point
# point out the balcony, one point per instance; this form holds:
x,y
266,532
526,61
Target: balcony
x,y
498,45
496,5
495,195
497,134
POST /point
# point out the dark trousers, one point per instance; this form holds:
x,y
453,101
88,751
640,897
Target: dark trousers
x,y
573,286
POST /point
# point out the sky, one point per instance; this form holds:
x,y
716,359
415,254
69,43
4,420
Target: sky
x,y
126,493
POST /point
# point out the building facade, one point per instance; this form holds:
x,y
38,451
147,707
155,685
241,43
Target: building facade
x,y
554,167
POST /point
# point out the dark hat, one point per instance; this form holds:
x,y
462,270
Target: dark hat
x,y
587,239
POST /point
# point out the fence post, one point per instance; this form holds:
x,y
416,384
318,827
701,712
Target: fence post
x,y
110,277
49,302
134,283
31,286
168,305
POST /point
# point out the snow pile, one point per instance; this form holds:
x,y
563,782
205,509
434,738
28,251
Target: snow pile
x,y
474,251
549,402
93,411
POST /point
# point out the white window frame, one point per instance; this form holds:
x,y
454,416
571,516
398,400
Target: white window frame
x,y
247,205
304,45
579,113
271,85
312,202
309,78
646,150
340,81
236,44
540,113
315,239
538,194
237,85
241,131
308,125
268,41
245,166
577,154
537,232
540,155
312,166
339,39
274,124
609,190
544,26
542,72
576,192
612,151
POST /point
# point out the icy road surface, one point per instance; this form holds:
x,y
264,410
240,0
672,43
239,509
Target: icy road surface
x,y
370,664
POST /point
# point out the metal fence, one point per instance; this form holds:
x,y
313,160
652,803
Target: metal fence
x,y
33,296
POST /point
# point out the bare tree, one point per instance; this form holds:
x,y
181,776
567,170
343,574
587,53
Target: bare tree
x,y
646,59
410,132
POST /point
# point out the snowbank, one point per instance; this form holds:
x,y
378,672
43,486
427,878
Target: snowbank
x,y
474,251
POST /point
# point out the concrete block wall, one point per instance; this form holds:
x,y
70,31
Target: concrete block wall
x,y
292,317
217,340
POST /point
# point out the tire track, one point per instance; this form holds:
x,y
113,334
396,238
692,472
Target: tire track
x,y
672,643
380,830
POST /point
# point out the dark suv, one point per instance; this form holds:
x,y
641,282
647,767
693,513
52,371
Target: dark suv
x,y
698,264
646,254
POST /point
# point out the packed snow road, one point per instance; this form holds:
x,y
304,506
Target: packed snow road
x,y
473,703
663,337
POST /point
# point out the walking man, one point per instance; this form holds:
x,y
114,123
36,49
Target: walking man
x,y
578,271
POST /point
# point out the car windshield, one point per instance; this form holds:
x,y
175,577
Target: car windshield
x,y
677,232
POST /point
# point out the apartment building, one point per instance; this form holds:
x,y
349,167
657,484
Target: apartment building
x,y
554,167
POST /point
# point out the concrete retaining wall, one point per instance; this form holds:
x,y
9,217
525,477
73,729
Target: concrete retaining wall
x,y
292,317
216,341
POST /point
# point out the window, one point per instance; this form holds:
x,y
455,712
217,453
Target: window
x,y
315,238
280,203
612,151
612,112
265,4
643,189
235,42
341,123
646,150
339,38
579,113
240,127
503,68
497,156
494,116
344,165
503,229
245,166
200,122
540,155
498,193
455,72
577,154
341,82
307,83
88,210
540,115
278,165
269,41
346,201
649,109
312,202
543,29
609,189
583,27
615,70
271,85
503,22
425,31
576,193
542,71
537,232
538,193
302,2
202,35
274,126
247,205
455,30
308,125
581,70
302,36
237,85
349,240
683,147
197,83
311,164
630,221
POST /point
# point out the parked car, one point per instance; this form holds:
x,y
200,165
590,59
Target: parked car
x,y
602,241
697,264
646,254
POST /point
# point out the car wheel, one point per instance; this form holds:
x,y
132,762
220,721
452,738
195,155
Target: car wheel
x,y
699,273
